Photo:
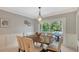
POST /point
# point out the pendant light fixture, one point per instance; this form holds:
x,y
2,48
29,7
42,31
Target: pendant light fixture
x,y
39,17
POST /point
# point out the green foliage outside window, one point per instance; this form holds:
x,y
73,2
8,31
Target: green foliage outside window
x,y
45,27
54,26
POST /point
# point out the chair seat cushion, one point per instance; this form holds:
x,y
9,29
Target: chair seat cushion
x,y
54,44
37,44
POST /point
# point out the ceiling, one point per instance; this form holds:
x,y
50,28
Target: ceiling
x,y
32,12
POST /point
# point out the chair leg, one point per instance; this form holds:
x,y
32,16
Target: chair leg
x,y
24,51
19,50
60,50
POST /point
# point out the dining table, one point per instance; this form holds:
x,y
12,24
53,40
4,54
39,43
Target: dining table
x,y
44,44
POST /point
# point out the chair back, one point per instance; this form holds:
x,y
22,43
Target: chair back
x,y
45,39
28,44
49,34
20,42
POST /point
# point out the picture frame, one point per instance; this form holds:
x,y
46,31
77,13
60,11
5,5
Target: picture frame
x,y
27,23
3,23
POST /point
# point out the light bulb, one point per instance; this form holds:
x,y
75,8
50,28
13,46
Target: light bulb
x,y
39,19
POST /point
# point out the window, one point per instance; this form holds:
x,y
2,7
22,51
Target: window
x,y
51,27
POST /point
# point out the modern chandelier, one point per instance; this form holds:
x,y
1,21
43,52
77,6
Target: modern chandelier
x,y
39,17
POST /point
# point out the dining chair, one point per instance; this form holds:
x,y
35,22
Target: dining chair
x,y
56,48
20,44
42,34
45,39
49,34
29,46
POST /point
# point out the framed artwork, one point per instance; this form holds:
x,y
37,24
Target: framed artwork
x,y
3,23
27,23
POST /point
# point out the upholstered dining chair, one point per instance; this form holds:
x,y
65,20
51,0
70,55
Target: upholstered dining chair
x,y
56,47
20,44
29,46
49,34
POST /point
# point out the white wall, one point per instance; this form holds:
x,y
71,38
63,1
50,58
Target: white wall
x,y
15,26
8,40
36,25
77,24
15,22
71,35
77,28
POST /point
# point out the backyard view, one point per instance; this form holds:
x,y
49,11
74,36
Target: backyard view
x,y
54,27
